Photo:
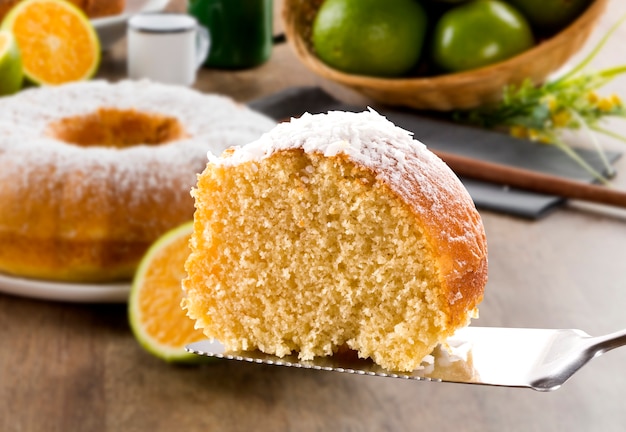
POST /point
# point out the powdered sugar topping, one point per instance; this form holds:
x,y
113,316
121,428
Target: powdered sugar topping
x,y
34,163
354,134
414,173
368,139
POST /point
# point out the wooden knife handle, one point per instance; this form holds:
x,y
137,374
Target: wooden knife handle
x,y
532,180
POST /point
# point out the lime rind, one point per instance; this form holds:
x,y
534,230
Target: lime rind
x,y
370,37
164,352
11,74
9,20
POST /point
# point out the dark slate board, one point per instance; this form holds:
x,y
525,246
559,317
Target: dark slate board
x,y
468,141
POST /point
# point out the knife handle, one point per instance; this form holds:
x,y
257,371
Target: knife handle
x,y
532,180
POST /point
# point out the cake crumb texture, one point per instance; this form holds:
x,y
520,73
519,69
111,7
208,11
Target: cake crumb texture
x,y
332,230
92,173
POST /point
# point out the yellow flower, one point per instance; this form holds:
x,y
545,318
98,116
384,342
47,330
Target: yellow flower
x,y
607,104
534,134
593,97
616,100
537,136
560,119
553,105
604,105
518,131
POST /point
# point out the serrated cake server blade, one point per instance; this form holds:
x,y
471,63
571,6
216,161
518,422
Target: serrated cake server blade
x,y
540,359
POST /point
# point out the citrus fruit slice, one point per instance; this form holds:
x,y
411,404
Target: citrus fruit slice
x,y
370,37
56,39
156,318
10,64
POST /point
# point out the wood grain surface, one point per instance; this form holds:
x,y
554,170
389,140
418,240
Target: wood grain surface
x,y
76,367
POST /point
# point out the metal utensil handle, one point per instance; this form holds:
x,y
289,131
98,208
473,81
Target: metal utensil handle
x,y
602,344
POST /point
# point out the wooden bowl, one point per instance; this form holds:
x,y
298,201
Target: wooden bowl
x,y
462,90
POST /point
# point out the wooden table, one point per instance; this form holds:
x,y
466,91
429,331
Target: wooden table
x,y
76,367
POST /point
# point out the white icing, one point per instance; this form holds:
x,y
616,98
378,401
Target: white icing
x,y
32,164
410,170
354,134
368,139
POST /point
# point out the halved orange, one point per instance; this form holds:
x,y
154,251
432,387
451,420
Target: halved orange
x,y
157,320
57,41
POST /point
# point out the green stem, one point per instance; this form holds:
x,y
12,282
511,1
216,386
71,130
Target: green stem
x,y
612,72
593,53
580,161
594,140
609,133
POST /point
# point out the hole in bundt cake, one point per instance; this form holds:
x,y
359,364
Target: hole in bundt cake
x,y
110,127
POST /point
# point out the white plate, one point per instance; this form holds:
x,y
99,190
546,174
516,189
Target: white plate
x,y
61,291
112,28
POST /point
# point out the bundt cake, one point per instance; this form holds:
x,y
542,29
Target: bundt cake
x,y
331,231
92,8
92,173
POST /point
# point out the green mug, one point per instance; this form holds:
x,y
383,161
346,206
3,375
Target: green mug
x,y
241,31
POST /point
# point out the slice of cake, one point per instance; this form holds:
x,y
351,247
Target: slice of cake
x,y
334,230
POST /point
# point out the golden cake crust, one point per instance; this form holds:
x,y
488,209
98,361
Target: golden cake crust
x,y
92,8
453,227
436,197
93,173
345,230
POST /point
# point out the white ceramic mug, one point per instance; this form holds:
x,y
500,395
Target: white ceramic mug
x,y
166,47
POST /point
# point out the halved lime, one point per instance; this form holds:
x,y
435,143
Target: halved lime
x,y
11,75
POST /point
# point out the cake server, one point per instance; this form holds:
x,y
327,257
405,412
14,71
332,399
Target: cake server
x,y
540,359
